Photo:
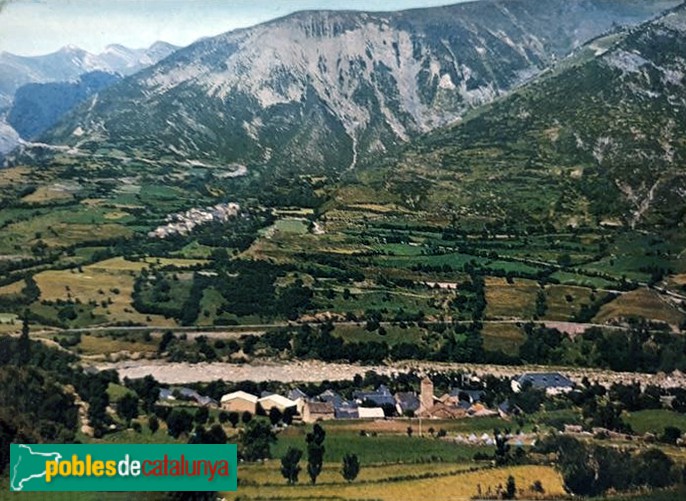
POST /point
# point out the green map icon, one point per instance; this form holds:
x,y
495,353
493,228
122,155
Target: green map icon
x,y
28,465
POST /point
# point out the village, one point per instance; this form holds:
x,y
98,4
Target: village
x,y
184,222
380,403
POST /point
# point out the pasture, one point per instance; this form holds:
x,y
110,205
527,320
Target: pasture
x,y
516,300
106,285
502,337
641,303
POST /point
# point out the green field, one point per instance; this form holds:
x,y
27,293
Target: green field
x,y
655,420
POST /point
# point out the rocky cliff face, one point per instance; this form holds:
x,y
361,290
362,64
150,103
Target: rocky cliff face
x,y
318,91
603,133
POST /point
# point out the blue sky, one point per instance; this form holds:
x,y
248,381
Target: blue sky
x,y
31,27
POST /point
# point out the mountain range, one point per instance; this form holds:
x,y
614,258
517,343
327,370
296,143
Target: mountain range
x,y
598,141
66,65
322,91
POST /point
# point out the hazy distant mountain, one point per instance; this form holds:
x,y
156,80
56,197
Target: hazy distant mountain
x,y
601,140
318,90
70,62
65,65
38,106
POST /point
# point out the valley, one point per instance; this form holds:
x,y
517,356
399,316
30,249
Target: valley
x,y
339,205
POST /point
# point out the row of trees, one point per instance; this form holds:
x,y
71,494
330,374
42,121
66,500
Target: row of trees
x,y
290,462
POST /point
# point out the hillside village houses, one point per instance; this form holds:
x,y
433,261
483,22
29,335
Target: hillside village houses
x,y
239,401
379,403
184,222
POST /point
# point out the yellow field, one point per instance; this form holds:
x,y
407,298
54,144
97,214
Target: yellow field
x,y
515,300
114,215
558,306
7,328
299,211
116,264
179,263
644,303
47,194
121,264
460,485
95,345
54,233
8,318
13,175
504,337
377,208
97,283
13,288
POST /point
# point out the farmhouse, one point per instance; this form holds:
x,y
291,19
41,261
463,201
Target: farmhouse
x,y
331,397
318,411
239,401
471,396
299,397
406,402
187,394
370,413
553,383
268,402
382,396
346,410
442,411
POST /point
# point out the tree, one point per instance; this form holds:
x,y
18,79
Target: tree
x,y
290,467
653,468
246,417
234,418
564,260
256,440
590,470
127,407
275,416
288,414
24,345
671,435
178,422
214,435
315,452
510,488
351,467
679,402
167,338
201,415
223,417
502,448
148,389
573,462
153,424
